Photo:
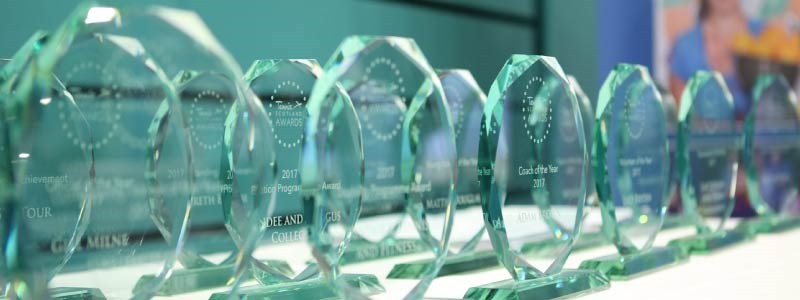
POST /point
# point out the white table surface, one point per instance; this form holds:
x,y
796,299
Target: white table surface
x,y
764,268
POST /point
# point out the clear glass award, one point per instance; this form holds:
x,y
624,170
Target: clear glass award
x,y
631,168
708,159
319,176
771,155
115,64
46,184
207,98
409,156
532,170
466,101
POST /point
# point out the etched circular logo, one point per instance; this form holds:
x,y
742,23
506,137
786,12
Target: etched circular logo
x,y
635,114
287,115
206,119
383,119
537,110
457,112
102,114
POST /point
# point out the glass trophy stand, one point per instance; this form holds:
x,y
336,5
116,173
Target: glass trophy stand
x,y
466,101
317,190
771,155
631,167
708,157
410,158
46,192
532,170
590,237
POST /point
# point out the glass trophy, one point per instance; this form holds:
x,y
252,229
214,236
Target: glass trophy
x,y
207,98
708,159
409,157
46,179
466,102
771,155
631,167
115,64
532,170
318,187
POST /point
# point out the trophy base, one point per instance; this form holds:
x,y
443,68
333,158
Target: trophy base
x,y
71,293
707,243
771,224
316,288
454,264
361,250
585,241
568,283
190,280
618,267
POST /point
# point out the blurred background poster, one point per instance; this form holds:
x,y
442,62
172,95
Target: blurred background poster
x,y
740,39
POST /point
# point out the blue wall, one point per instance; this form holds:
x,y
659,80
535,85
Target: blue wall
x,y
624,34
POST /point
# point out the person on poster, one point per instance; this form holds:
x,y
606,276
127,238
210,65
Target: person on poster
x,y
708,45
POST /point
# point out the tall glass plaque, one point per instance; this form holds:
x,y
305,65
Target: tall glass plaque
x,y
409,154
115,63
46,182
631,168
708,159
206,98
318,190
771,155
591,233
466,102
532,170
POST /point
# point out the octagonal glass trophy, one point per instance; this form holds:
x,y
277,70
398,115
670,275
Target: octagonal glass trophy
x,y
631,169
771,155
532,170
466,102
410,158
209,100
591,233
317,192
115,64
46,184
708,159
